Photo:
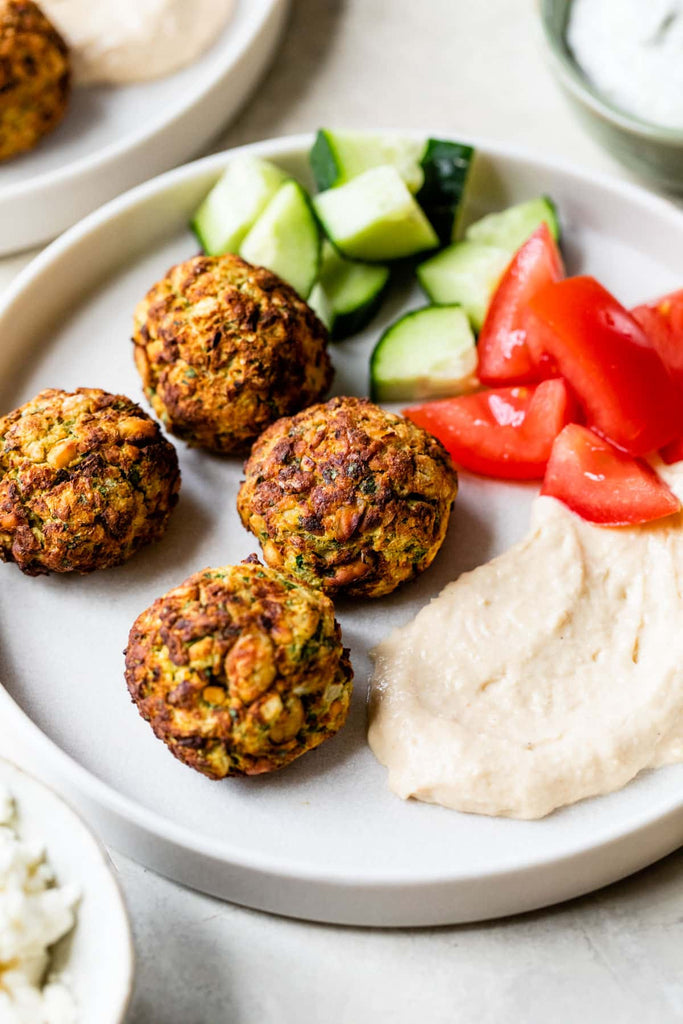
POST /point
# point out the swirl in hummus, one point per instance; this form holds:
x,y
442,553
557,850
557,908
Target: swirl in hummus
x,y
550,674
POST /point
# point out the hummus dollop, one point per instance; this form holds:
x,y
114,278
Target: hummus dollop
x,y
550,674
132,40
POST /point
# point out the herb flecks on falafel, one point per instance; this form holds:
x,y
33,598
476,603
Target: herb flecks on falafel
x,y
348,497
35,76
86,478
225,348
239,670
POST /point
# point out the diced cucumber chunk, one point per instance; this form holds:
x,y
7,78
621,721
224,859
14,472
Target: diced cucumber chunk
x,y
239,196
434,170
351,292
286,240
466,273
429,353
337,157
321,306
446,166
375,218
510,228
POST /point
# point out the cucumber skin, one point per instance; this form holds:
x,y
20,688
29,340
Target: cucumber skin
x,y
328,154
374,388
323,162
342,323
555,229
444,186
311,209
346,324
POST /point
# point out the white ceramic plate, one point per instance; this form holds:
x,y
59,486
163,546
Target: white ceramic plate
x,y
324,838
114,137
97,955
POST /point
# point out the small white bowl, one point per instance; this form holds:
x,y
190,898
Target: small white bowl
x,y
97,954
653,151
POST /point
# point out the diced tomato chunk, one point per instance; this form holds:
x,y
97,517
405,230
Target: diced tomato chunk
x,y
603,484
672,452
504,354
606,357
505,432
662,322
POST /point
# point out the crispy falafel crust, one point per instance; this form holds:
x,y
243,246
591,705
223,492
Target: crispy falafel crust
x,y
239,670
35,76
346,496
225,348
86,478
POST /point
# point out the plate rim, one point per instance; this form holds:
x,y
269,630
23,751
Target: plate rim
x,y
156,826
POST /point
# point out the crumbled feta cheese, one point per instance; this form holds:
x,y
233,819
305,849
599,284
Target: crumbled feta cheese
x,y
34,913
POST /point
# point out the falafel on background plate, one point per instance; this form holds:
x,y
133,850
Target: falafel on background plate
x,y
239,670
86,479
225,348
35,76
348,497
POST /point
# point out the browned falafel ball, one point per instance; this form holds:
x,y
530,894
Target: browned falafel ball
x,y
239,670
86,478
346,496
35,76
225,348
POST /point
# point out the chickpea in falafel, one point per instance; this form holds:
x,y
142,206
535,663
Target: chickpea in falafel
x,y
86,478
225,348
239,670
35,76
348,497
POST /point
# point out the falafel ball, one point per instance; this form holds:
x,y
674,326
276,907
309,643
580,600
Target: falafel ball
x,y
35,76
239,670
225,348
86,478
346,496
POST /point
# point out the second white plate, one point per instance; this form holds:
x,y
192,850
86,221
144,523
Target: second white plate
x,y
114,137
324,838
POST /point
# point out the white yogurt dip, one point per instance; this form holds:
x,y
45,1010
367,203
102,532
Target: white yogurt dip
x,y
632,52
34,914
121,41
552,673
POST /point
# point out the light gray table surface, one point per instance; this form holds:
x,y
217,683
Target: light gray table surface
x,y
460,67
